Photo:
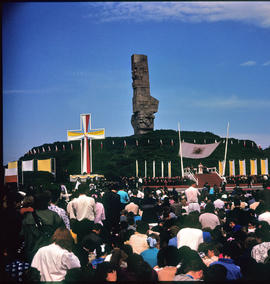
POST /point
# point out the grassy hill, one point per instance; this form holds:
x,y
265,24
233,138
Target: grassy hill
x,y
113,159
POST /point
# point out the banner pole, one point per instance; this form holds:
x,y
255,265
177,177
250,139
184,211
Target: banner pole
x,y
226,147
181,156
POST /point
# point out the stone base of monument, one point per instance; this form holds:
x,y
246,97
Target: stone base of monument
x,y
84,178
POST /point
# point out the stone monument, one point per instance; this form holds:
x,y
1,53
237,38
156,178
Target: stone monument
x,y
144,105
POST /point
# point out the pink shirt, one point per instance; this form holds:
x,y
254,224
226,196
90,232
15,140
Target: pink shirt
x,y
100,213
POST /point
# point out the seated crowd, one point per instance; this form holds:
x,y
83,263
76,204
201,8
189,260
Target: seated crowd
x,y
110,233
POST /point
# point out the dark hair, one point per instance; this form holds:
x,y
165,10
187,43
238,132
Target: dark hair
x,y
192,263
83,188
142,227
209,208
41,200
63,238
215,272
168,256
102,271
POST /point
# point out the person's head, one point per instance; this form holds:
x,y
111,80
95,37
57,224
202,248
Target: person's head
x,y
193,264
106,271
55,192
28,201
41,200
142,227
168,256
231,249
209,208
83,188
215,272
62,237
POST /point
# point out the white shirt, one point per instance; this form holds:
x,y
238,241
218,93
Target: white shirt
x,y
219,204
190,237
70,209
84,207
192,194
52,262
264,217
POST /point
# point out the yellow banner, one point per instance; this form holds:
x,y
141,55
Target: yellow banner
x,y
242,168
231,164
253,167
99,132
44,165
13,165
220,167
264,167
70,133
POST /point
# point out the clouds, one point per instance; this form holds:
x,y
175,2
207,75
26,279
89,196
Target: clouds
x,y
255,13
231,102
253,63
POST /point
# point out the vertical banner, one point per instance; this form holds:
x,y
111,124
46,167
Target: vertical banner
x,y
169,169
11,173
154,169
253,167
220,167
44,165
145,168
232,168
162,169
242,168
137,168
264,166
27,166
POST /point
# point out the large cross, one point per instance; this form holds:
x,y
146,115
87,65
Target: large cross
x,y
86,147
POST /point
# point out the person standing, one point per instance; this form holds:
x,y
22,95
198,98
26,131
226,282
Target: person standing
x,y
84,207
124,198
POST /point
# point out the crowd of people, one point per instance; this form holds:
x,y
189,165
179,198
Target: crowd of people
x,y
108,231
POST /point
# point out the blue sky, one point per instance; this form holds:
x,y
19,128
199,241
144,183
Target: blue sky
x,y
209,63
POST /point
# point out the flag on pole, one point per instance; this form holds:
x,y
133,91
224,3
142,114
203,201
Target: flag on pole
x,y
44,165
253,167
242,167
27,166
113,142
197,151
38,150
244,143
220,167
231,168
172,142
56,148
43,149
49,148
169,169
161,143
11,173
64,147
71,146
125,143
137,143
264,166
34,151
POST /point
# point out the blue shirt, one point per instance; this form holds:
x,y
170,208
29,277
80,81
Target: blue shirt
x,y
124,198
233,270
173,242
150,256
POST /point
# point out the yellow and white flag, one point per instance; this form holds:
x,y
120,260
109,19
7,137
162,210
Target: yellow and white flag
x,y
44,165
253,167
220,167
242,167
264,166
232,168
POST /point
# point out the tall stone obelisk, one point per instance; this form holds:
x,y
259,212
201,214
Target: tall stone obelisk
x,y
144,105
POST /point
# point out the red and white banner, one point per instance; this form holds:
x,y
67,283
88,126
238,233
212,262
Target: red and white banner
x,y
11,173
197,151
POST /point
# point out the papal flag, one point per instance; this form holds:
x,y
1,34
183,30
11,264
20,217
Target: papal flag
x,y
253,167
27,166
264,166
220,167
231,168
11,173
44,165
197,151
242,168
